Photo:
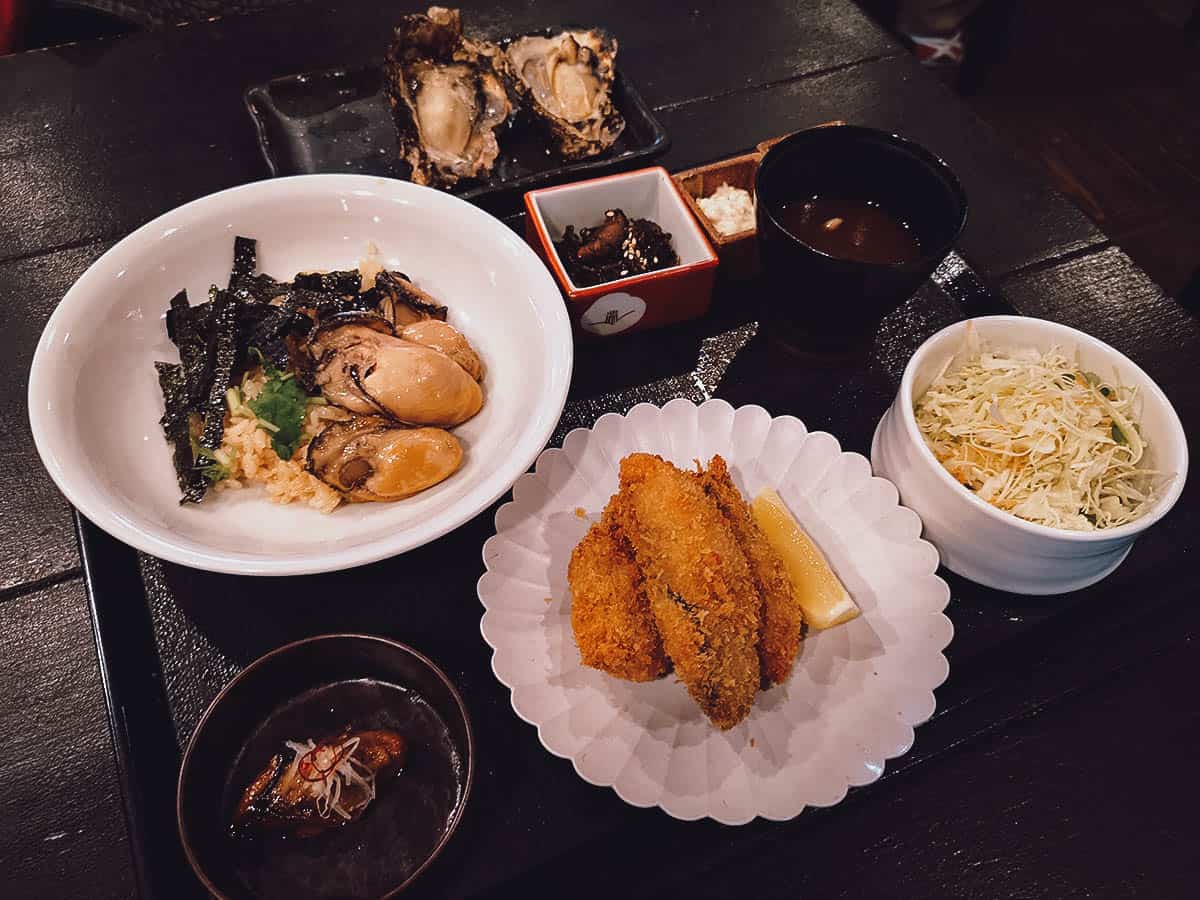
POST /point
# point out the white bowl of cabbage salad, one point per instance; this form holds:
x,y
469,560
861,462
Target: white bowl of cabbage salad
x,y
1034,453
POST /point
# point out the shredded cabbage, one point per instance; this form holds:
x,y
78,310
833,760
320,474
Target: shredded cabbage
x,y
1033,435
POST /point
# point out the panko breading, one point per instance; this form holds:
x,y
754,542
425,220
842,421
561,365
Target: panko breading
x,y
782,620
610,614
703,597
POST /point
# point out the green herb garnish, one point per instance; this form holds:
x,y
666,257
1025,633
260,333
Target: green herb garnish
x,y
214,471
280,408
208,465
1118,435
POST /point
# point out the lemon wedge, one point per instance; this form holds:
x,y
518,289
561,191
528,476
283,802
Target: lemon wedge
x,y
821,595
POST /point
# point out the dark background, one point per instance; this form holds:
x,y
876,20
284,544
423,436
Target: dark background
x,y
1100,96
1060,763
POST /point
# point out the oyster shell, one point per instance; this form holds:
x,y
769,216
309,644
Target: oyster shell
x,y
372,459
566,79
448,97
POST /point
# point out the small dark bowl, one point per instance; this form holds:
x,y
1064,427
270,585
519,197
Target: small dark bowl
x,y
820,298
313,688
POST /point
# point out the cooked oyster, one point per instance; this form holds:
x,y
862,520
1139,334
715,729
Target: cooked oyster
x,y
361,365
447,339
447,98
370,458
310,787
402,302
567,80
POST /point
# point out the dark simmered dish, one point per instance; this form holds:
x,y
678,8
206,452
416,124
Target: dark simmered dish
x,y
619,247
313,786
335,386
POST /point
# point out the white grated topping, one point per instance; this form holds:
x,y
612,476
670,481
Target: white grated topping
x,y
730,209
330,777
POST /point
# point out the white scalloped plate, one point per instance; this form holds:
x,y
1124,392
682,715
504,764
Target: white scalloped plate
x,y
857,690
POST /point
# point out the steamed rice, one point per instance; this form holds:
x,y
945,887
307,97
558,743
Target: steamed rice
x,y
251,460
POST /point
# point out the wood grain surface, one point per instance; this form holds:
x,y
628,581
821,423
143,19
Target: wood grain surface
x,y
37,534
1052,768
105,135
63,831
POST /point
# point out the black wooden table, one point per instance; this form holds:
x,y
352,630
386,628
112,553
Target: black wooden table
x,y
1061,760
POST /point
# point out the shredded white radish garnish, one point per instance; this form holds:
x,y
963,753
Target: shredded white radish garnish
x,y
1033,435
328,771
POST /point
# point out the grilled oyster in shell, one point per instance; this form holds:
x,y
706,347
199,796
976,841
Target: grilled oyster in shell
x,y
566,80
448,98
371,459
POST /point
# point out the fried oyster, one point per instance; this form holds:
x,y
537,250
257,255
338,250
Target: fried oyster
x,y
610,612
782,621
702,594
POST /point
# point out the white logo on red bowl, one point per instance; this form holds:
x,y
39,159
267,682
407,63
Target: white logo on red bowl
x,y
612,314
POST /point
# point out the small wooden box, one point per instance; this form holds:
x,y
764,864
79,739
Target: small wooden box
x,y
738,252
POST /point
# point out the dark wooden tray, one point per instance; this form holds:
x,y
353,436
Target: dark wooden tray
x,y
170,637
338,120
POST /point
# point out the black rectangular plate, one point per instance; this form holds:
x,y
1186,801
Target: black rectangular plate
x,y
170,637
339,121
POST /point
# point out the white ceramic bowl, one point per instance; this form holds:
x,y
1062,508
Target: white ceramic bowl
x,y
992,547
94,401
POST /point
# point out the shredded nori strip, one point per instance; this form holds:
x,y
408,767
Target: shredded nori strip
x,y
364,302
345,282
187,326
174,421
322,305
215,339
245,259
244,283
258,288
267,327
177,311
222,360
369,299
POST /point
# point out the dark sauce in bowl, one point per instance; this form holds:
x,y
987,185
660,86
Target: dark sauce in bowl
x,y
396,834
855,230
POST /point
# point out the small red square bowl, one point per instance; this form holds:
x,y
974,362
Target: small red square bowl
x,y
640,301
